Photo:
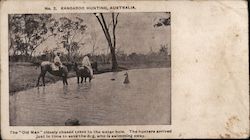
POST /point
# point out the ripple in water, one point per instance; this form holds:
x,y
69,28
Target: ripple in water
x,y
145,100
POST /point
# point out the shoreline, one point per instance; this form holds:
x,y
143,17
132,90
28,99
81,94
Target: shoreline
x,y
26,77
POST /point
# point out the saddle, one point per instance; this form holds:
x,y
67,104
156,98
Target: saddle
x,y
81,67
84,67
54,66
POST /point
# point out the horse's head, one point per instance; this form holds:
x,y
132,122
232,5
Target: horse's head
x,y
68,65
94,66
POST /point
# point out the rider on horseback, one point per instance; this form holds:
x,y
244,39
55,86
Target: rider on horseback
x,y
86,63
57,61
55,68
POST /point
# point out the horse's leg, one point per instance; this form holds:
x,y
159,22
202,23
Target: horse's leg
x,y
39,77
81,79
65,75
43,75
78,79
90,79
66,82
63,80
85,78
38,80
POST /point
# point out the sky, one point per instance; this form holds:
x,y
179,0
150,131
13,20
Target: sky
x,y
135,33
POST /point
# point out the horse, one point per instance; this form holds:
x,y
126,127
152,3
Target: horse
x,y
82,72
46,66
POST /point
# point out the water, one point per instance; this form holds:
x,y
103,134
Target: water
x,y
145,100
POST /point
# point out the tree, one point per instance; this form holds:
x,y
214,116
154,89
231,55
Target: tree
x,y
27,32
67,30
162,22
163,50
110,35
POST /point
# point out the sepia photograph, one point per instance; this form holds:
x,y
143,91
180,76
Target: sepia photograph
x,y
124,69
89,69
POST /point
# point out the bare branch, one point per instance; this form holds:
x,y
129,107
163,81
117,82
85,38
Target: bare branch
x,y
106,33
102,26
37,45
115,20
106,29
110,23
104,22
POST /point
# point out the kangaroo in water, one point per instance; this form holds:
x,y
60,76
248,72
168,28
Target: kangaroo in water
x,y
126,80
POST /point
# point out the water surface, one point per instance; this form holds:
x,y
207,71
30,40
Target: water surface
x,y
145,100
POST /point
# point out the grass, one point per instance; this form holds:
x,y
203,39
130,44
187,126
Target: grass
x,y
23,75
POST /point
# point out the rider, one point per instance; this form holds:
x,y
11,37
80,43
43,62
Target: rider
x,y
86,62
57,61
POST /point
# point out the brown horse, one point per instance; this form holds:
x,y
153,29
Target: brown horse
x,y
82,72
47,67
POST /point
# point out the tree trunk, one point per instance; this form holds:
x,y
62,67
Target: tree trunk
x,y
107,34
69,55
30,56
114,61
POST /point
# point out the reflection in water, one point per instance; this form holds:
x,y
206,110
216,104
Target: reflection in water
x,y
100,102
65,89
39,90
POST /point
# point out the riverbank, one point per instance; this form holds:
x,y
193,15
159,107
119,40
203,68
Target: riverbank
x,y
23,75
